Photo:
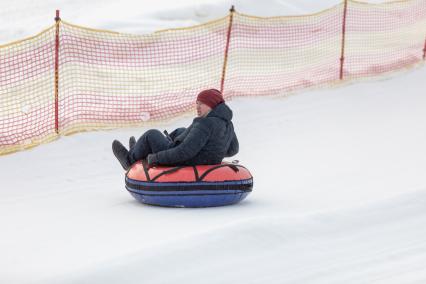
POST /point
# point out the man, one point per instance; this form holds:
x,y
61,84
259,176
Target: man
x,y
206,141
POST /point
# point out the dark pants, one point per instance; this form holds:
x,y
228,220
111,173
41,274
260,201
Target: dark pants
x,y
152,141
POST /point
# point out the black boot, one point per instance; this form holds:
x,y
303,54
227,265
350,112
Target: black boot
x,y
121,154
132,142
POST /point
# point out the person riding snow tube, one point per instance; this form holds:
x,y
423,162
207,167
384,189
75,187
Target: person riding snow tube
x,y
186,166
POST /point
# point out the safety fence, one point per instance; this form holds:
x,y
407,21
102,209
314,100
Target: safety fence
x,y
70,79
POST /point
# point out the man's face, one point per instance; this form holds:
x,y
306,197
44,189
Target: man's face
x,y
202,109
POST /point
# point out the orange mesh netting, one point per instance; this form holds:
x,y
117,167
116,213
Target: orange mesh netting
x,y
110,79
27,92
384,38
280,54
107,79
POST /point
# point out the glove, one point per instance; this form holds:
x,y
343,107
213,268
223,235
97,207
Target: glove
x,y
152,160
176,133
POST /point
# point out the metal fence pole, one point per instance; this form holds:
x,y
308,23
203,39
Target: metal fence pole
x,y
57,20
342,54
228,38
424,51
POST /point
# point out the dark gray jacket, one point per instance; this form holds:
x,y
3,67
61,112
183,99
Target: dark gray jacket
x,y
205,142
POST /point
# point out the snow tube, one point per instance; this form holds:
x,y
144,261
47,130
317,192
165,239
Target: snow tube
x,y
189,186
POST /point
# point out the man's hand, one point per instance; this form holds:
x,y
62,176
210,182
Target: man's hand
x,y
151,160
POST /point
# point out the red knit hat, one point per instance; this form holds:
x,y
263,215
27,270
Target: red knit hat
x,y
211,97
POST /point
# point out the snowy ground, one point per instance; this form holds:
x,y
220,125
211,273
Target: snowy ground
x,y
27,17
339,197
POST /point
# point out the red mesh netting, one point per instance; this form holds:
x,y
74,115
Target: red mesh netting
x,y
27,109
384,38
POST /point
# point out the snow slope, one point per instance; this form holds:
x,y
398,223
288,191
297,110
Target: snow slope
x,y
27,17
339,197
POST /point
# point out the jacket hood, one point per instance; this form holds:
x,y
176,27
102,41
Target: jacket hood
x,y
221,111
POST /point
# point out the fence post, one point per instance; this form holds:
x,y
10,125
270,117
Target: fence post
x,y
228,38
424,51
57,22
342,54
